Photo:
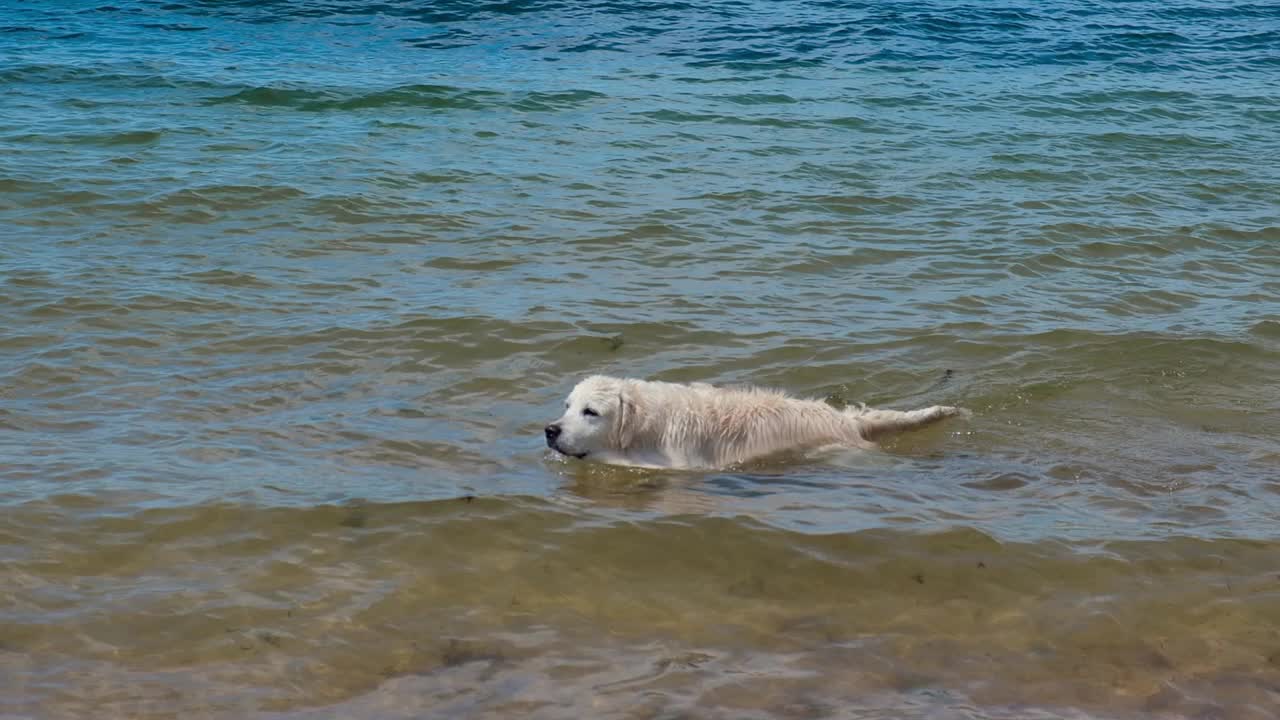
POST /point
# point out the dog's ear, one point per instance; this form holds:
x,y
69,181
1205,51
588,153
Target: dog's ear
x,y
624,428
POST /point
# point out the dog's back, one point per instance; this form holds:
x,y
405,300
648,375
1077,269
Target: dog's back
x,y
711,426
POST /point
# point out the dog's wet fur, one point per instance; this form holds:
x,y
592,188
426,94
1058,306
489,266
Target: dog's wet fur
x,y
670,425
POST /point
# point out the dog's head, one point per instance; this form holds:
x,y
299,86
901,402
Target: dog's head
x,y
598,420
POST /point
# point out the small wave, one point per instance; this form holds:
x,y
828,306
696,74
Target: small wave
x,y
175,27
681,116
429,97
105,139
758,99
210,200
1152,40
130,75
1133,141
472,264
1269,329
551,101
228,278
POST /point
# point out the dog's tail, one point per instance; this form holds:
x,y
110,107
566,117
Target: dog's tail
x,y
874,424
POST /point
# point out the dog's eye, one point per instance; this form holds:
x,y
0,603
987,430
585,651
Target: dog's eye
x,y
590,413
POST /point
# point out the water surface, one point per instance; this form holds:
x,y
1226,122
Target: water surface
x,y
291,287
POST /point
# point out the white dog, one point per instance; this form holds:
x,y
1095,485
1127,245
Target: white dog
x,y
659,424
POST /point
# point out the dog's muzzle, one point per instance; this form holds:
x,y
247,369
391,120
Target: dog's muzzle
x,y
552,432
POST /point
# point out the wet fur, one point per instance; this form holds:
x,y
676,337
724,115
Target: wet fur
x,y
659,424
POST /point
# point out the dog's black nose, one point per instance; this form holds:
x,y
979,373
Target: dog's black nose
x,y
552,431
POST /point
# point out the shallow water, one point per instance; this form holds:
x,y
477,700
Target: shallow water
x,y
291,288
